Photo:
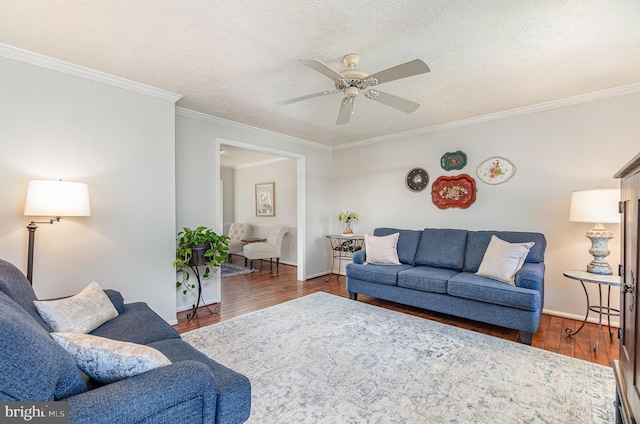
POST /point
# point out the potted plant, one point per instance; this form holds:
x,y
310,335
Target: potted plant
x,y
199,247
348,218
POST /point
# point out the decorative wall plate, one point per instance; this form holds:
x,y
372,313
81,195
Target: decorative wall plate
x,y
417,179
453,160
495,170
454,192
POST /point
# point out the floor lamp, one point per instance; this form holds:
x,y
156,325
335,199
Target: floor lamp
x,y
598,207
55,199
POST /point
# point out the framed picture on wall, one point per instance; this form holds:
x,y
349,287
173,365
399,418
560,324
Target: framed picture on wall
x,y
265,199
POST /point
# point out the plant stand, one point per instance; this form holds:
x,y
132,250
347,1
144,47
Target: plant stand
x,y
198,259
200,300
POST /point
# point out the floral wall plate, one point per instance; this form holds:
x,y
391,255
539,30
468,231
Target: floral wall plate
x,y
454,192
453,160
495,170
417,179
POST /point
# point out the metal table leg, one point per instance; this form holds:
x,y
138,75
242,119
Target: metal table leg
x,y
568,330
595,347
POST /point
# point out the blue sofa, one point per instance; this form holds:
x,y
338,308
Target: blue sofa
x,y
437,272
193,388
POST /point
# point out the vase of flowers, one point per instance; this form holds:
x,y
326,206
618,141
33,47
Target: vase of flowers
x,y
348,218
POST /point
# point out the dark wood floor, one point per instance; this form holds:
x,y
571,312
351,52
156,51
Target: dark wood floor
x,y
250,292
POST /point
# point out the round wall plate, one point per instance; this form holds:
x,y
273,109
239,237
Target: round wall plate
x,y
417,179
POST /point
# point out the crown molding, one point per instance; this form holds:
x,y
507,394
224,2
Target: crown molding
x,y
540,107
43,61
237,125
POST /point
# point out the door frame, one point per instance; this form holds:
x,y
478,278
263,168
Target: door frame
x,y
300,195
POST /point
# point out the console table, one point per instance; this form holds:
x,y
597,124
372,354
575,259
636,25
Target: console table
x,y
600,280
342,247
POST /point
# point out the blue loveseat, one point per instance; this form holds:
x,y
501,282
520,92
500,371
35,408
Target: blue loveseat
x,y
437,272
192,389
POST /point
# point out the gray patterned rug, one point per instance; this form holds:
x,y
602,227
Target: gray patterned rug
x,y
327,359
229,270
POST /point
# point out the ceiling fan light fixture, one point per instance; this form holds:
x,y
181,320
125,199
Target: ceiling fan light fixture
x,y
352,81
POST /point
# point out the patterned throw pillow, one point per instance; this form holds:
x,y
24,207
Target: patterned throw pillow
x,y
382,250
502,260
107,360
81,313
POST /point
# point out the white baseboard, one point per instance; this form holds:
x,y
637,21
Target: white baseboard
x,y
206,302
615,322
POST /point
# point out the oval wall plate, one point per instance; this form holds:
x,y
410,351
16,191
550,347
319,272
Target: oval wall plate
x,y
453,160
454,192
495,170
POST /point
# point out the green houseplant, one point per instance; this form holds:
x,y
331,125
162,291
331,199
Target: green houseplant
x,y
198,247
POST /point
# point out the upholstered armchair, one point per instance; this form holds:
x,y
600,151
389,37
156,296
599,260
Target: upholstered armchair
x,y
238,231
270,249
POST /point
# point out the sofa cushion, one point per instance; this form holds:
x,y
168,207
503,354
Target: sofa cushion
x,y
475,287
381,250
154,328
34,367
477,242
426,278
106,360
379,274
407,242
15,285
233,389
442,248
81,313
502,260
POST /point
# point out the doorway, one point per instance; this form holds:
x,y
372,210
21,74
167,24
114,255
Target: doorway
x,y
300,241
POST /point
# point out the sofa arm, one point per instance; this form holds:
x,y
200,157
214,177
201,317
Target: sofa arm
x,y
181,392
358,257
531,276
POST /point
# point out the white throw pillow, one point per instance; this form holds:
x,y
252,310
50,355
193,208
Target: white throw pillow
x,y
502,260
81,313
382,250
107,360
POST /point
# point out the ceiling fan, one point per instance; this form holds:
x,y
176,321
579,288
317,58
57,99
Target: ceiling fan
x,y
353,81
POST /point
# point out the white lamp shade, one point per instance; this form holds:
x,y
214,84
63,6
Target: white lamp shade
x,y
57,198
595,206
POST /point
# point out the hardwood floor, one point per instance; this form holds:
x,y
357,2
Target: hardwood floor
x,y
243,294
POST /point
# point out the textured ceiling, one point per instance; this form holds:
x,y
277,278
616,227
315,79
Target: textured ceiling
x,y
236,59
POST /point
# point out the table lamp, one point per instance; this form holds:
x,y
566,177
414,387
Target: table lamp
x,y
599,206
55,199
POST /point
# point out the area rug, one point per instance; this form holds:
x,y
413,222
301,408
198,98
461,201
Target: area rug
x,y
229,270
327,359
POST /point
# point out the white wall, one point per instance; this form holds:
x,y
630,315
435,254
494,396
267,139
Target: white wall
x,y
228,194
555,152
120,142
197,166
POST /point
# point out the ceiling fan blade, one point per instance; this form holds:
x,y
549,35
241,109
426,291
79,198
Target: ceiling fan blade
x,y
308,96
404,105
409,69
318,66
346,109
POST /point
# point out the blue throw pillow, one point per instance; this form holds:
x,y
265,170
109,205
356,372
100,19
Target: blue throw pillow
x,y
34,367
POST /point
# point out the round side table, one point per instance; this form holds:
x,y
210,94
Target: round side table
x,y
600,280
